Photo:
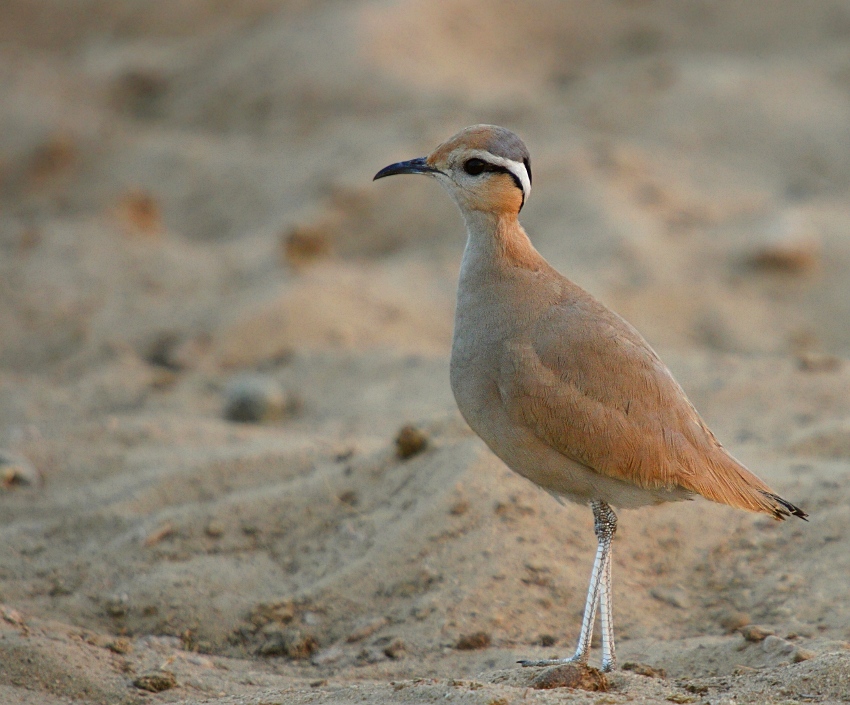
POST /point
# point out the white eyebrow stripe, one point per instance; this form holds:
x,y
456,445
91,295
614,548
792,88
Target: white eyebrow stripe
x,y
516,168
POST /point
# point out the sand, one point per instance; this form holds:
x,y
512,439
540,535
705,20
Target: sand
x,y
213,327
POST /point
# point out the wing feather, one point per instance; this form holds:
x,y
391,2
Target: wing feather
x,y
586,382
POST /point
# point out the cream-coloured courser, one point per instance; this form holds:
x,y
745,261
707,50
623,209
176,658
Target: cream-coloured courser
x,y
562,389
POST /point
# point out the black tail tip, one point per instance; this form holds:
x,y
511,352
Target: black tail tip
x,y
785,508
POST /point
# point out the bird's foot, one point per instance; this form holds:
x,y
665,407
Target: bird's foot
x,y
608,666
554,661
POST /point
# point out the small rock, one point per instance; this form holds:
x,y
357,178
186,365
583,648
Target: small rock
x,y
155,681
349,497
140,212
280,612
675,597
801,654
121,645
274,645
251,398
733,620
643,669
459,508
789,244
809,361
12,616
571,675
160,352
305,244
53,157
755,633
776,645
17,471
395,649
162,532
470,642
682,698
214,529
288,642
371,655
117,605
410,441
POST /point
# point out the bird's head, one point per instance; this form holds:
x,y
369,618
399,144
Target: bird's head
x,y
483,167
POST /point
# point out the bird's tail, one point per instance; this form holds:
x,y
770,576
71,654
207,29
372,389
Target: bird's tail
x,y
729,482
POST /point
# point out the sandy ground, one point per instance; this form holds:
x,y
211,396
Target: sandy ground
x,y
189,234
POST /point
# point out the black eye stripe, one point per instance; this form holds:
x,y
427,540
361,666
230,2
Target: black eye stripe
x,y
475,167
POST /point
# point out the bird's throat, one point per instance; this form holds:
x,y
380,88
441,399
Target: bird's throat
x,y
498,241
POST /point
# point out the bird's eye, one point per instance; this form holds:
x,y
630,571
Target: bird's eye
x,y
474,167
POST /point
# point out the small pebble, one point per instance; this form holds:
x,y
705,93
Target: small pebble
x,y
371,655
732,621
141,213
16,471
162,532
682,698
214,529
155,681
160,352
288,642
755,633
117,605
410,441
789,244
675,597
349,497
776,645
571,675
305,244
470,642
12,616
459,508
801,654
643,669
395,649
818,362
251,398
121,645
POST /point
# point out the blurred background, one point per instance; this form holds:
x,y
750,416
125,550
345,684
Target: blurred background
x,y
166,164
213,324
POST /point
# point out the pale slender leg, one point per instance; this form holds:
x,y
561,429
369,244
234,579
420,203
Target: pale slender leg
x,y
599,591
606,618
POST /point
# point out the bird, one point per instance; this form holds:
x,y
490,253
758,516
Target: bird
x,y
562,389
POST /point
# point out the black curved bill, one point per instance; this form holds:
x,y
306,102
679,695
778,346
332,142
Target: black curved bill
x,y
411,166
